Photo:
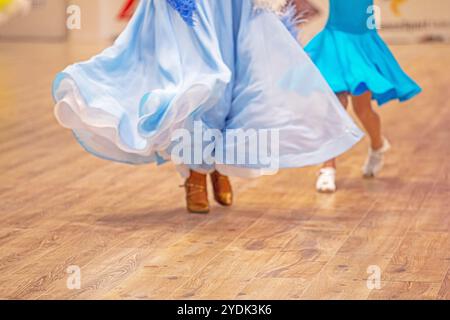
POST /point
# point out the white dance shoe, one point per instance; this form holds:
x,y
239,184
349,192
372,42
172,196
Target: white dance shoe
x,y
326,183
375,160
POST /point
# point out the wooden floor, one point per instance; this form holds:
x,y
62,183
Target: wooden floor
x,y
126,227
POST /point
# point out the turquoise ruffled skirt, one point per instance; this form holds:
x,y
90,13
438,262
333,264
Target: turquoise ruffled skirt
x,y
234,68
360,62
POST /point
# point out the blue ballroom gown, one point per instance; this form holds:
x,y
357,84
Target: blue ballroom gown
x,y
353,58
225,66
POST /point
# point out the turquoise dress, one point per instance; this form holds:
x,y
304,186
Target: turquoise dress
x,y
353,58
206,68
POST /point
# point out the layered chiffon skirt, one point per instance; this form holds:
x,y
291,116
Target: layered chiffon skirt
x,y
235,68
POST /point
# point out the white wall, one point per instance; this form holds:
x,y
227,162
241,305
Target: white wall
x,y
415,21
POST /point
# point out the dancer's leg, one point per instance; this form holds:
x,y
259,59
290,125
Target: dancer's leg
x,y
343,98
326,182
362,105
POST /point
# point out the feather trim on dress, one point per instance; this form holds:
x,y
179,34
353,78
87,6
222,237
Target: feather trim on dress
x,y
274,5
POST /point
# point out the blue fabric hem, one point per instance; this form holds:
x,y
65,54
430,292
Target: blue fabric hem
x,y
382,98
332,149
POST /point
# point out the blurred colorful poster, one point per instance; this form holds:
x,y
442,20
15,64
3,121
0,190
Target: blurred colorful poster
x,y
412,21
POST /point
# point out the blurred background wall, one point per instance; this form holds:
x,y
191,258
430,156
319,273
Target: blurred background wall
x,y
47,21
403,21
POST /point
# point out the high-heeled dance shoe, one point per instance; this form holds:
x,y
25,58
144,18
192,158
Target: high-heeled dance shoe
x,y
326,182
197,193
223,192
375,160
